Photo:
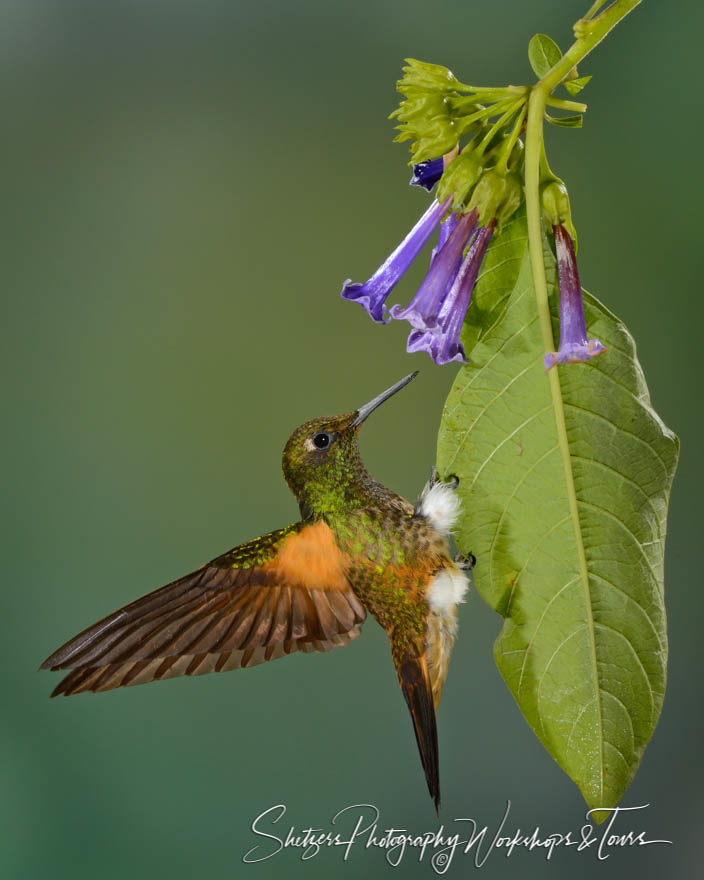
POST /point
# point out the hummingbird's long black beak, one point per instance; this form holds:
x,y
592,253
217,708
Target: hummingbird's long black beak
x,y
369,408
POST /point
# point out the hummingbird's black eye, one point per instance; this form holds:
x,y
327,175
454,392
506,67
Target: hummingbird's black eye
x,y
321,440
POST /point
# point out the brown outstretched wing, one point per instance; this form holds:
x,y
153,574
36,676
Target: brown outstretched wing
x,y
272,596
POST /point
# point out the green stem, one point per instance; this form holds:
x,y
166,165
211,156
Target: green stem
x,y
596,6
485,113
589,34
490,95
510,142
566,105
500,122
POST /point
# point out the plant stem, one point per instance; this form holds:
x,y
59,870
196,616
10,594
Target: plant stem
x,y
500,122
510,143
559,104
487,112
589,34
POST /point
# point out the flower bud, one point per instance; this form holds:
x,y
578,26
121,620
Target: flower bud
x,y
438,137
427,76
513,198
555,203
496,196
425,118
459,178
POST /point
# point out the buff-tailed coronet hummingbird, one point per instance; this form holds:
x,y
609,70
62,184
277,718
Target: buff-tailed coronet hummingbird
x,y
358,548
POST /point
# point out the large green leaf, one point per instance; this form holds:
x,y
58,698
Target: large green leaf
x,y
569,535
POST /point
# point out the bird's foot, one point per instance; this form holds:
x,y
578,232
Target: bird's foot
x,y
465,563
452,482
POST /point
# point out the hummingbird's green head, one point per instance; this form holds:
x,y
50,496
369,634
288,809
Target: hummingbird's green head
x,y
321,460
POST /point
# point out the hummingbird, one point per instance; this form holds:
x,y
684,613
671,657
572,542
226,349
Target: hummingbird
x,y
358,549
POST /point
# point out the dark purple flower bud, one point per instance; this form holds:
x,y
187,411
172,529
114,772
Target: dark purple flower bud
x,y
575,347
422,311
373,293
427,174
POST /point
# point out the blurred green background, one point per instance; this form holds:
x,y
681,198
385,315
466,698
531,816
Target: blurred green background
x,y
185,187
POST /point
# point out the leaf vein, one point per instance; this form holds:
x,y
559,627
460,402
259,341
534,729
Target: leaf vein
x,y
616,427
489,404
627,480
628,531
538,625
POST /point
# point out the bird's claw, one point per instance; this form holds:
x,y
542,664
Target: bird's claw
x,y
465,563
453,481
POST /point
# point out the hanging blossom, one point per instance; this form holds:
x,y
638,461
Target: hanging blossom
x,y
575,347
442,341
437,311
373,293
422,311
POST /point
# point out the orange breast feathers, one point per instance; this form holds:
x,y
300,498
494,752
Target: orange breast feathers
x,y
310,558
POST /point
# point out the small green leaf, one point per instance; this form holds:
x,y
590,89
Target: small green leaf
x,y
583,645
575,121
543,53
575,86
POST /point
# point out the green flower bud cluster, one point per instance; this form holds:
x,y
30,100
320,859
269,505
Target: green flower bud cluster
x,y
425,116
493,192
438,110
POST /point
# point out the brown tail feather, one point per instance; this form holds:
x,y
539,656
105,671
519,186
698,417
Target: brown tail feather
x,y
415,683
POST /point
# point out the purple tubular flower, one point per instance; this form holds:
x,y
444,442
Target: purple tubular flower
x,y
443,342
575,347
373,293
427,174
446,229
422,311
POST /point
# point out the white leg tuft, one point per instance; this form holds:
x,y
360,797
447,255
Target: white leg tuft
x,y
449,587
440,505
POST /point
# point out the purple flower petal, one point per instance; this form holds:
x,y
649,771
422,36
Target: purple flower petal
x,y
422,340
427,174
422,311
454,308
442,341
574,353
575,347
373,293
446,229
441,350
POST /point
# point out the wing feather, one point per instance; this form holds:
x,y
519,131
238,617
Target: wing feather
x,y
227,615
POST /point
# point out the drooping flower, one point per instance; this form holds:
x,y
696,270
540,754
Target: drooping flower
x,y
442,342
373,293
423,310
575,346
